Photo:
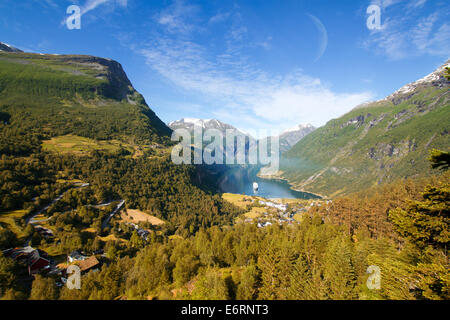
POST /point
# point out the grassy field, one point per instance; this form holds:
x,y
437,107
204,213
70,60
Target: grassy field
x,y
7,219
239,200
135,216
80,145
112,237
256,212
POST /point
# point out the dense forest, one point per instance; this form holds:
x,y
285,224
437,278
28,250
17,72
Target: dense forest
x,y
326,256
76,131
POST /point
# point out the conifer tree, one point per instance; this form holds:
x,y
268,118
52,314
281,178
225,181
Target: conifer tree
x,y
248,286
43,289
426,222
339,272
298,281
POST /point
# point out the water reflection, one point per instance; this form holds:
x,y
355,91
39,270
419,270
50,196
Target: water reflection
x,y
240,180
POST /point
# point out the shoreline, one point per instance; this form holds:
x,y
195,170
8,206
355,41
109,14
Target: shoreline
x,y
273,177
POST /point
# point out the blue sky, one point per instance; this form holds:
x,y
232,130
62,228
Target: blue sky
x,y
259,64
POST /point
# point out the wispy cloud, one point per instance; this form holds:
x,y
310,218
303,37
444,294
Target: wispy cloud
x,y
93,4
174,17
405,33
239,91
90,5
219,17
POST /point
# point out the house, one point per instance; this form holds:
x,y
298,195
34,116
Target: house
x,y
75,256
143,234
37,261
88,264
18,254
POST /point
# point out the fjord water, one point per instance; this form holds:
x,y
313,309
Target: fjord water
x,y
240,180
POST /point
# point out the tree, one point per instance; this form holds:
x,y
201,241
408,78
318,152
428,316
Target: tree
x,y
439,159
211,286
248,287
339,272
275,264
426,222
136,241
185,269
8,270
7,238
43,289
299,279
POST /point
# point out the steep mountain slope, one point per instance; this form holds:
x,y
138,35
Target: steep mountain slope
x,y
288,138
7,48
189,123
291,137
69,118
82,95
374,143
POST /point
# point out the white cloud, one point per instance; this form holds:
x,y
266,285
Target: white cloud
x,y
220,17
246,94
232,88
406,33
91,5
174,17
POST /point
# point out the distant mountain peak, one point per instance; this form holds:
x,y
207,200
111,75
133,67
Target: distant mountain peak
x,y
292,136
189,123
8,48
298,127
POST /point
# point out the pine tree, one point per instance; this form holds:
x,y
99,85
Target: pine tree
x,y
339,272
211,286
43,289
439,159
268,264
298,280
248,286
426,222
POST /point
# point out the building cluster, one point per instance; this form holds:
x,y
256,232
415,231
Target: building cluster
x,y
36,260
144,234
84,262
278,206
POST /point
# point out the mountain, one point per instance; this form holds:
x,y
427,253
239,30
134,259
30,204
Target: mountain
x,y
72,94
71,120
287,139
376,142
189,123
7,48
206,124
292,136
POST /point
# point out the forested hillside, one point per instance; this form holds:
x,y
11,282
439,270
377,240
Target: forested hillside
x,y
85,166
375,143
78,118
326,256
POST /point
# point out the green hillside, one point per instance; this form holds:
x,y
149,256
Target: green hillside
x,y
50,95
375,143
66,118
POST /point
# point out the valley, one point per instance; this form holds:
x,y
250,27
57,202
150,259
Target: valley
x,y
87,178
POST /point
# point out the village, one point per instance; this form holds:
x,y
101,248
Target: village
x,y
119,223
40,257
267,212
